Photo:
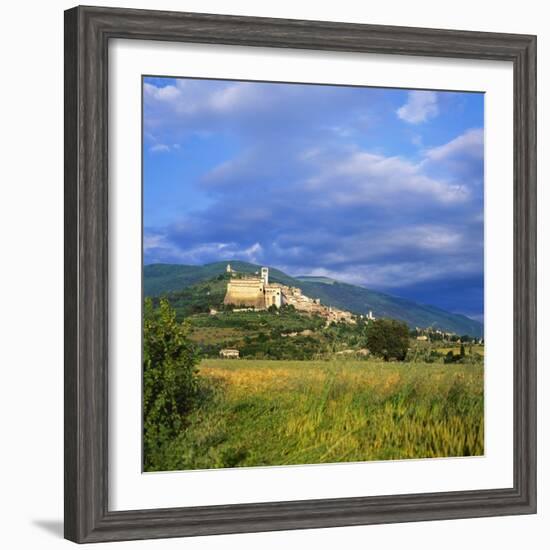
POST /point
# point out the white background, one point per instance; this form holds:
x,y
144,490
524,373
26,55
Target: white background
x,y
129,488
31,113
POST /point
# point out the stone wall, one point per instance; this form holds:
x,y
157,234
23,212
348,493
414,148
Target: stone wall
x,y
245,292
273,296
253,292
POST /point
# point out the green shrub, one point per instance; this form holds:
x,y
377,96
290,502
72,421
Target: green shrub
x,y
170,384
388,338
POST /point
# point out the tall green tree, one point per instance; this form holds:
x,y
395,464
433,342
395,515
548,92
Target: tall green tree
x,y
388,338
170,382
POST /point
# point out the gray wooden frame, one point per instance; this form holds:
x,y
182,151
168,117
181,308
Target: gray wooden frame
x,y
87,34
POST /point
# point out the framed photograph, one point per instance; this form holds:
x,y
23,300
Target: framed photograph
x,y
300,274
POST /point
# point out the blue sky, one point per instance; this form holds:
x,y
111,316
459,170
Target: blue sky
x,y
371,186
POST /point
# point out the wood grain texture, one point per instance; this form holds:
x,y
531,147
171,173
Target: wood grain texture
x,y
87,34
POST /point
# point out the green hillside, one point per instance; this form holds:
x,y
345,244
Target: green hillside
x,y
159,279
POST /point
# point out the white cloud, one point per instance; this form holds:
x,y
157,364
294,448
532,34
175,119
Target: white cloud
x,y
156,146
162,93
342,131
184,98
367,245
469,144
161,245
392,275
402,274
239,96
461,159
189,98
420,106
361,177
159,148
229,171
431,238
151,241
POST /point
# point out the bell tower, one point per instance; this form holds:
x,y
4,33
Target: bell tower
x,y
265,275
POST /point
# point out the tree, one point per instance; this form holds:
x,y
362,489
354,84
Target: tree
x,y
388,338
169,377
450,358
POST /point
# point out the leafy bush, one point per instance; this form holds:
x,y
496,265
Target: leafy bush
x,y
388,338
170,384
423,355
451,358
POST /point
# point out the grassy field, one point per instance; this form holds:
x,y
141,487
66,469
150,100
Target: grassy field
x,y
474,348
308,412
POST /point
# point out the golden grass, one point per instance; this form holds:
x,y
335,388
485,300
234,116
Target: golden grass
x,y
306,412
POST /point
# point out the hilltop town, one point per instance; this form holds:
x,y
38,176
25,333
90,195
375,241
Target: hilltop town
x,y
256,312
198,288
256,292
